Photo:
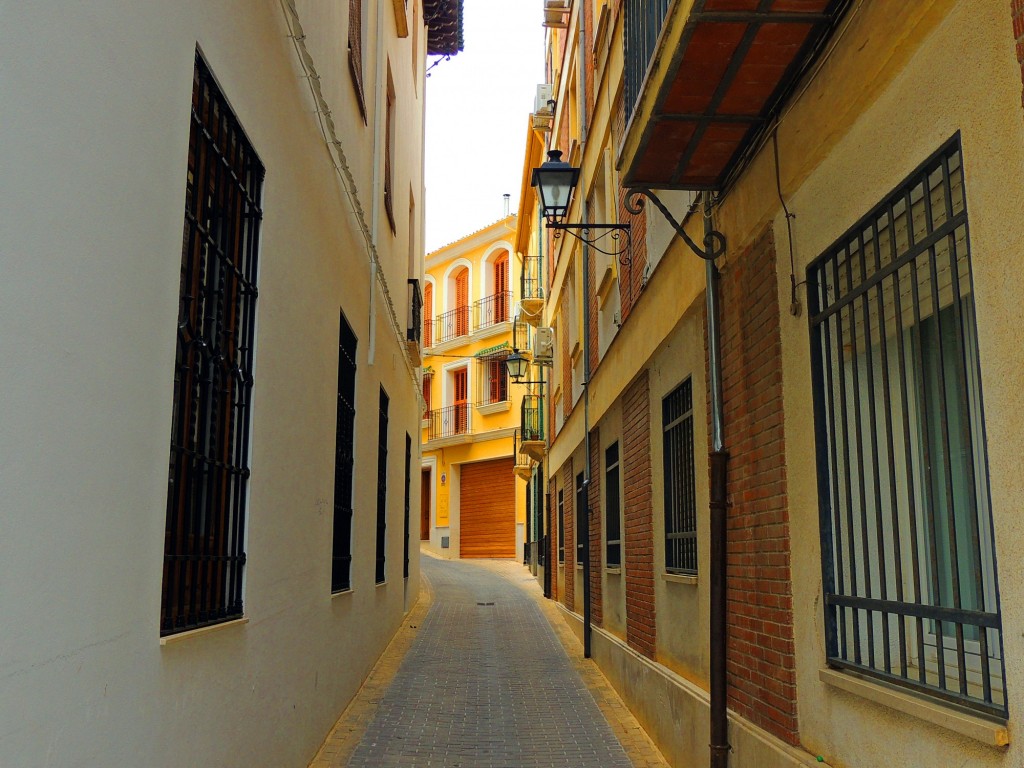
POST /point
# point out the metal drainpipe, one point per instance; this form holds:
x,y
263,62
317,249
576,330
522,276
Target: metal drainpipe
x,y
585,516
719,459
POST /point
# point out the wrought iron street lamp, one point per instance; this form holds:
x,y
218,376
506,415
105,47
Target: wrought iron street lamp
x,y
517,366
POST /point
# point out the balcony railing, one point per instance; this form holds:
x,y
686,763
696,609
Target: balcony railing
x,y
415,312
532,424
451,325
644,20
492,310
451,421
531,282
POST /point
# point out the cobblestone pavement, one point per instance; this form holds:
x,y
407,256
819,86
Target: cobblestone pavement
x,y
478,677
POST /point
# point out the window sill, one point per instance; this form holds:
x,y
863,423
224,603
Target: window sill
x,y
490,408
987,732
380,584
202,631
614,570
342,593
679,578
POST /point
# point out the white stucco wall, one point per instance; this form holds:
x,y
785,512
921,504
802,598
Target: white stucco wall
x,y
93,155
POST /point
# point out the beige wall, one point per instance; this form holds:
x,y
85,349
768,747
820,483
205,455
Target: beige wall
x,y
95,140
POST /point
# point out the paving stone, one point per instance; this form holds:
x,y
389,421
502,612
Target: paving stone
x,y
483,681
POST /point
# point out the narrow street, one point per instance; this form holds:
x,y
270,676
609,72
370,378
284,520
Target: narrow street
x,y
484,672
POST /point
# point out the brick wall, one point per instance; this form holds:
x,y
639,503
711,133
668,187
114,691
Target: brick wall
x,y
596,519
637,514
568,489
1017,10
762,683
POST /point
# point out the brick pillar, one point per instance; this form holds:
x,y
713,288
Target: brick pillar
x,y
1017,10
568,488
759,624
637,514
596,521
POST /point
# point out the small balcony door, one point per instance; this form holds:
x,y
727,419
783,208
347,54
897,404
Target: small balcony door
x,y
501,289
461,401
462,303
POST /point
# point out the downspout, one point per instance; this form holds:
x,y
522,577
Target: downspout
x,y
545,467
584,534
718,459
380,76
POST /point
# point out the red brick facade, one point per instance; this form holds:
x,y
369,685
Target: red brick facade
x,y
596,519
552,559
568,490
637,514
761,665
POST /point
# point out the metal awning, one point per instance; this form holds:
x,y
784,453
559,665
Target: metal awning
x,y
718,71
444,26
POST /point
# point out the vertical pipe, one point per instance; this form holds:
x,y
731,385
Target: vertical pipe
x,y
719,460
585,532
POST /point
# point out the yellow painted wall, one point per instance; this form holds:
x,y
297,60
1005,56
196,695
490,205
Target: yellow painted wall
x,y
491,427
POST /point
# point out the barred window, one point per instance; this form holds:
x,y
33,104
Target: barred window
x,y
908,557
561,527
344,459
612,509
204,552
680,484
382,485
580,511
355,51
493,378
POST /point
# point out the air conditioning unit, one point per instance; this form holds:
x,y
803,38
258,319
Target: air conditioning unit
x,y
544,346
544,103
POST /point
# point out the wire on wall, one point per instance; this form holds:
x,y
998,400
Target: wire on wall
x,y
339,160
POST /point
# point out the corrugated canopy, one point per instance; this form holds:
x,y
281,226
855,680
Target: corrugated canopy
x,y
444,26
721,68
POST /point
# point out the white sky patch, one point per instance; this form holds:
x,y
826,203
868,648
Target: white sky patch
x,y
478,107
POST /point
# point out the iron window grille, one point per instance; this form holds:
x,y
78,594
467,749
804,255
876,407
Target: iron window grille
x,y
561,527
908,556
612,509
344,459
493,379
643,23
382,485
415,329
204,554
680,480
580,490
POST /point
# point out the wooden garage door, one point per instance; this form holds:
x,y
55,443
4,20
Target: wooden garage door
x,y
487,504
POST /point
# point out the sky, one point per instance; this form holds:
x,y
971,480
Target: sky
x,y
478,107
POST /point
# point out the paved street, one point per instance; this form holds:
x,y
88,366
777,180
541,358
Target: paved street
x,y
481,678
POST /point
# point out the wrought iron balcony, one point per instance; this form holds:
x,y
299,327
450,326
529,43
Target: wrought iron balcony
x,y
492,310
533,418
451,325
452,421
531,281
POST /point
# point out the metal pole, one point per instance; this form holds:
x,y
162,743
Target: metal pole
x,y
585,514
718,459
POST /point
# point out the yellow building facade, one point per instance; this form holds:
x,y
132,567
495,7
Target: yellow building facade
x,y
472,501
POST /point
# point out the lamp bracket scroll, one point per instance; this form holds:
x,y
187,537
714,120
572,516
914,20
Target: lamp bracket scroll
x,y
714,241
610,239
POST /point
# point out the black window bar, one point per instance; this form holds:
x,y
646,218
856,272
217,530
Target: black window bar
x,y
909,567
612,511
643,22
680,481
493,378
344,460
204,553
561,527
382,485
580,490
